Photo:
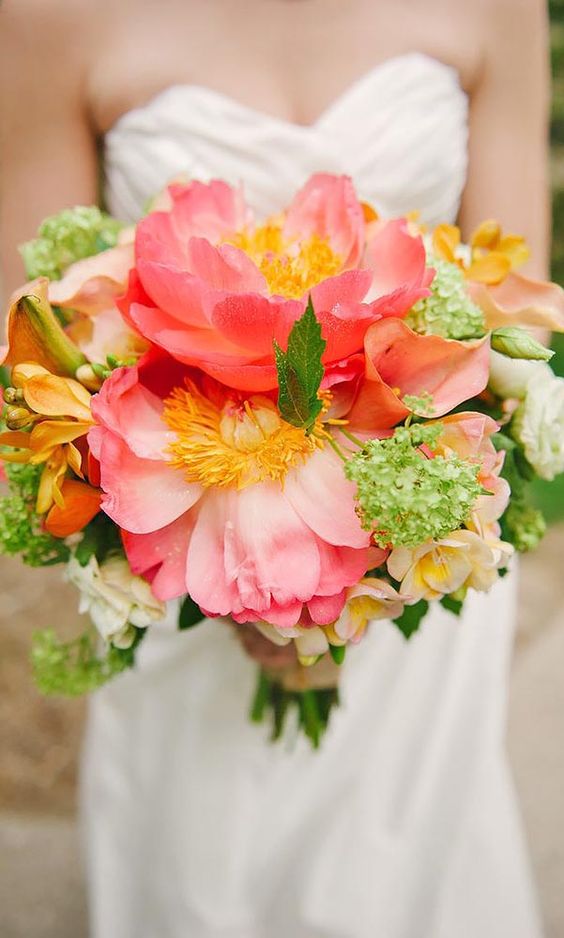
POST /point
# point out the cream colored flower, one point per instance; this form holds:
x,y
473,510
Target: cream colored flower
x,y
539,424
369,599
509,377
310,642
115,598
437,568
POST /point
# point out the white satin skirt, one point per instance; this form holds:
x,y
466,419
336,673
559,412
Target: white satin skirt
x,y
403,824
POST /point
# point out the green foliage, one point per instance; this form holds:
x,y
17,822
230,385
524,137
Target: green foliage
x,y
406,498
411,618
20,527
522,524
272,702
100,538
76,667
190,614
452,604
300,372
448,311
67,237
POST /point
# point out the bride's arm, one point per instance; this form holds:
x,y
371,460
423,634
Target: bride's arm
x,y
508,170
48,153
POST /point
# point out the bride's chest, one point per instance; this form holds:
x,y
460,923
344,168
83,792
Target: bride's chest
x,y
287,58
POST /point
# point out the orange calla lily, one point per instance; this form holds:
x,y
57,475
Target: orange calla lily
x,y
35,335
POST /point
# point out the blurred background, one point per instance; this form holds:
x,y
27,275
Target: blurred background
x,y
41,886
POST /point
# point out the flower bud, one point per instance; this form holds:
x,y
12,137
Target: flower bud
x,y
18,417
13,395
517,343
88,377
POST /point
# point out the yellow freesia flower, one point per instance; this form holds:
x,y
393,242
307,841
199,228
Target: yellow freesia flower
x,y
490,256
58,412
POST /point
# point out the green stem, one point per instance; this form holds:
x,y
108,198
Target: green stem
x,y
261,698
350,436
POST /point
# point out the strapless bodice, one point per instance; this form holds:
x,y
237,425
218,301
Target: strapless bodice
x,y
400,131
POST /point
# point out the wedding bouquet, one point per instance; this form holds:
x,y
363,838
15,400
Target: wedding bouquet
x,y
304,424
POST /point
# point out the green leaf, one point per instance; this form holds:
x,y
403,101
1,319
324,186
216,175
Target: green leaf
x,y
517,343
453,605
190,614
411,617
300,371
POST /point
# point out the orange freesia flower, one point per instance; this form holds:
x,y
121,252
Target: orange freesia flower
x,y
58,411
81,504
492,255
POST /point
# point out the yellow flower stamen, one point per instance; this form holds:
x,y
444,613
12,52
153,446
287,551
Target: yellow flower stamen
x,y
290,267
240,444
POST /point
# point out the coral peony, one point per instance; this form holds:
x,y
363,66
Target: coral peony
x,y
214,289
217,496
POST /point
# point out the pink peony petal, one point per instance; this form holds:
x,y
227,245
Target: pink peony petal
x,y
325,609
340,567
270,551
141,495
521,301
324,499
133,413
161,556
256,321
327,206
396,258
225,268
176,292
187,344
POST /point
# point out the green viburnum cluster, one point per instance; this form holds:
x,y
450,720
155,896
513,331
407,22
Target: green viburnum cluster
x,y
67,237
76,667
406,498
523,525
448,311
20,529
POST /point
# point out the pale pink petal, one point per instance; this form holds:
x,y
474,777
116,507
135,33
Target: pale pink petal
x,y
324,499
208,582
140,495
521,301
161,556
108,334
327,206
91,285
270,552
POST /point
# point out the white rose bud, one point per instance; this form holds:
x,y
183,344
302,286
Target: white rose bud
x,y
539,424
517,343
509,377
115,598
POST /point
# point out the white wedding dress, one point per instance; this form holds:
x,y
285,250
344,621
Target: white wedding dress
x,y
404,824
